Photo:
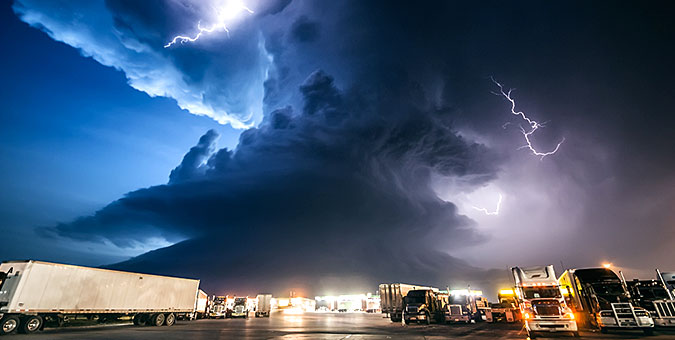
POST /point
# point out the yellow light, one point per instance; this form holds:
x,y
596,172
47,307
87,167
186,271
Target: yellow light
x,y
506,292
607,265
526,316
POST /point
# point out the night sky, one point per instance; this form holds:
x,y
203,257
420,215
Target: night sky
x,y
327,146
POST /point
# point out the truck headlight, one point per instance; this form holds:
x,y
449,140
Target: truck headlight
x,y
569,316
641,313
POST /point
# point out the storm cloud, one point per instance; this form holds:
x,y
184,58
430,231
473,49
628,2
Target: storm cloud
x,y
328,187
377,126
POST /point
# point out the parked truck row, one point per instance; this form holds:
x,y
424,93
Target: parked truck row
x,y
36,293
589,298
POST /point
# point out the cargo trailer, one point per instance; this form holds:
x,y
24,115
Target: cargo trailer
x,y
264,305
35,292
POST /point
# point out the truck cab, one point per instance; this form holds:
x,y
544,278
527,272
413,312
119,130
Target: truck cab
x,y
423,306
541,302
217,309
600,300
240,309
653,296
505,310
464,306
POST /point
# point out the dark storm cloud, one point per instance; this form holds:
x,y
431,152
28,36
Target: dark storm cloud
x,y
322,191
339,170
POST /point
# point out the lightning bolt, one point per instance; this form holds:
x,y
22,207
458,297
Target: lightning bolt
x,y
495,212
534,125
224,14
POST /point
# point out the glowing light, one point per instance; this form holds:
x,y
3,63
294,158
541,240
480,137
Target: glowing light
x,y
495,212
224,15
534,125
607,265
466,292
506,292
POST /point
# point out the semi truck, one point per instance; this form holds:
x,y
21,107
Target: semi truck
x,y
505,310
600,300
541,302
35,292
391,298
218,307
653,296
240,309
423,306
264,305
465,305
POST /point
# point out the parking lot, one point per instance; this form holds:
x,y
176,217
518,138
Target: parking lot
x,y
311,326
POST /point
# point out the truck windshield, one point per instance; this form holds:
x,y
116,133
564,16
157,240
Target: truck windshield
x,y
608,289
415,297
457,299
3,276
653,293
541,292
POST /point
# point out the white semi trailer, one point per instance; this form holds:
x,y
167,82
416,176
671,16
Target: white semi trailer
x,y
264,305
33,292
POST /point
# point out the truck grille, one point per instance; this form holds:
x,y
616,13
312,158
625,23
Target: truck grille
x,y
623,310
547,309
665,309
455,310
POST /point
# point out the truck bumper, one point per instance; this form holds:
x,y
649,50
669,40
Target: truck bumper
x,y
551,325
415,317
611,322
457,318
660,322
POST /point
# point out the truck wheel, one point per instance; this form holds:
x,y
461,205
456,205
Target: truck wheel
x,y
427,318
9,324
648,331
30,324
170,319
531,335
576,334
158,319
604,330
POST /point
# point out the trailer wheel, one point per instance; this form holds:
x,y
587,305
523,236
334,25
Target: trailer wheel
x,y
158,319
9,324
170,319
30,324
141,319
